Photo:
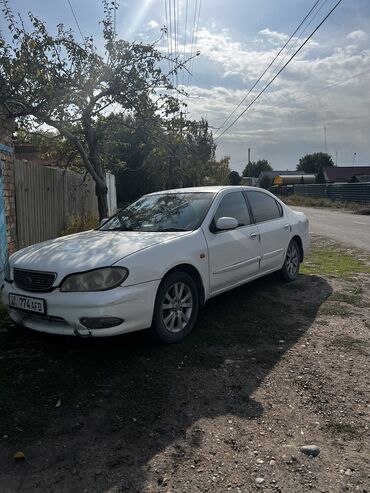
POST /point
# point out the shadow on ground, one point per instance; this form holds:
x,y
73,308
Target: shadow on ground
x,y
124,400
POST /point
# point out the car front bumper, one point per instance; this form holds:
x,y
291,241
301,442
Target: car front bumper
x,y
133,304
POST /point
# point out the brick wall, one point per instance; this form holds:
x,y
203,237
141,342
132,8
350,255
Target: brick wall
x,y
7,160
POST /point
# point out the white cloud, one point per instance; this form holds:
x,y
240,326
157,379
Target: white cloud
x,y
273,36
357,36
152,24
289,118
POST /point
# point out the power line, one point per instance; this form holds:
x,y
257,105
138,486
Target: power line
x,y
185,35
297,39
192,38
196,36
76,21
271,63
170,38
279,72
175,23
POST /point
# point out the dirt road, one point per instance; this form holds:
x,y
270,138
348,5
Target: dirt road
x,y
349,229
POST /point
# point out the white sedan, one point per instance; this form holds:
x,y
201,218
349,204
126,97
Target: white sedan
x,y
155,262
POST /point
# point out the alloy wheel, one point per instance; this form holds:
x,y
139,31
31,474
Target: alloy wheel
x,y
292,260
177,307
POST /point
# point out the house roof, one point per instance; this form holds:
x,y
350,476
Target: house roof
x,y
343,174
274,173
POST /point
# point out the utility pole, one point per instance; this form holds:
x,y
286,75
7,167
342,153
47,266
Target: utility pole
x,y
336,158
326,147
354,158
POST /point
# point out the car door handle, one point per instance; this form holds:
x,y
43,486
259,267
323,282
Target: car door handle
x,y
286,226
254,235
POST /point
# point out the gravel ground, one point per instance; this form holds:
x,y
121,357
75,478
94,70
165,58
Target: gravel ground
x,y
269,368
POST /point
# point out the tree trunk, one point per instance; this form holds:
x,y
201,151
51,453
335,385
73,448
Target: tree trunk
x,y
102,196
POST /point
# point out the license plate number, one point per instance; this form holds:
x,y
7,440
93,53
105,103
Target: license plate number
x,y
27,303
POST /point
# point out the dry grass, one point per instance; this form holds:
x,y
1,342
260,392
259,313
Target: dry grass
x,y
304,201
77,224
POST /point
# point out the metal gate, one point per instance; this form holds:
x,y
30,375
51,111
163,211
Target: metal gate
x,y
3,242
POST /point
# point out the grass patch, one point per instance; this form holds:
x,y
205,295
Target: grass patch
x,y
334,309
333,261
347,343
305,201
337,428
352,297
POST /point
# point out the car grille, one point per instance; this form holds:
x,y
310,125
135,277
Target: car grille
x,y
32,280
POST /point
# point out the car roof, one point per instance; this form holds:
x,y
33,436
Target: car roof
x,y
213,189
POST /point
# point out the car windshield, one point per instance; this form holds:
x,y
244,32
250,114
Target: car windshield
x,y
162,212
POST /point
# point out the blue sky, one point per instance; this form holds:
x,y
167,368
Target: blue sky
x,y
237,39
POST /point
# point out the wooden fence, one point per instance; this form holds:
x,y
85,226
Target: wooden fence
x,y
46,198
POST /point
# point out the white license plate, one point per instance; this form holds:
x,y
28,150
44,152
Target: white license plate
x,y
27,303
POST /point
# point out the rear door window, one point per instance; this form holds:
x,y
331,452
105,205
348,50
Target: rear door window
x,y
264,207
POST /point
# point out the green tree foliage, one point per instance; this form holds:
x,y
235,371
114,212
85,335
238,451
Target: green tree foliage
x,y
58,81
254,168
320,178
234,178
311,163
266,182
218,172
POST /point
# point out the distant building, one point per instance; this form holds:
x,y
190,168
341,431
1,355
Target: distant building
x,y
345,174
273,174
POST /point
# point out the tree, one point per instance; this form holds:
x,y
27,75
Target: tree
x,y
266,182
311,163
65,84
234,178
255,168
218,172
320,178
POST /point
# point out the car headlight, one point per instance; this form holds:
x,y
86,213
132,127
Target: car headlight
x,y
95,280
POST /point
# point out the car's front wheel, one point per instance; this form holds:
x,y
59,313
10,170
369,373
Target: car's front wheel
x,y
176,307
292,261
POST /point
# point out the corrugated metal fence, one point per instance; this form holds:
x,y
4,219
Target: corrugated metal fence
x,y
351,192
46,198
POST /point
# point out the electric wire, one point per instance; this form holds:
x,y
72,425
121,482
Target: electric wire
x,y
76,21
192,40
279,72
297,39
167,35
272,62
170,37
185,39
175,23
196,36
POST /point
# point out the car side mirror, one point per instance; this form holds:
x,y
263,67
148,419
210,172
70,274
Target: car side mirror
x,y
103,221
224,223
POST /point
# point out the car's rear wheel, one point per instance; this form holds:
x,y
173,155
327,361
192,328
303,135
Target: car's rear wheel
x,y
176,307
292,261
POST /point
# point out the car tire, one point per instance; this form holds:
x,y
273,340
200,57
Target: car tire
x,y
176,307
290,269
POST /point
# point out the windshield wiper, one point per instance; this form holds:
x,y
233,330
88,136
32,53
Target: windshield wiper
x,y
119,228
172,229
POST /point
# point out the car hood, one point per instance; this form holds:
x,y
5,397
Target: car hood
x,y
85,251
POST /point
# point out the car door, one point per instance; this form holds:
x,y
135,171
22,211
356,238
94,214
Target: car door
x,y
233,254
273,227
